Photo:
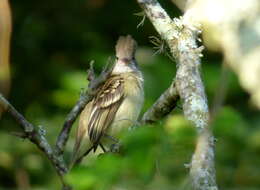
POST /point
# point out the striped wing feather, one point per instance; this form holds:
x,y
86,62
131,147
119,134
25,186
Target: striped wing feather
x,y
104,108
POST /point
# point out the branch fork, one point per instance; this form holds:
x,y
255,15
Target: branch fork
x,y
181,36
36,134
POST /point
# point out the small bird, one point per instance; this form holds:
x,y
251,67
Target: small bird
x,y
116,105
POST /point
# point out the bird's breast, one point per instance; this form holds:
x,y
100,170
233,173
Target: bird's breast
x,y
130,108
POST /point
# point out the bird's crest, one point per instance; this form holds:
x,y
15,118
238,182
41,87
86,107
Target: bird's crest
x,y
125,47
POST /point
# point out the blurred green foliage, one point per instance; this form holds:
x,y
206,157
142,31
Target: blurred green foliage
x,y
52,44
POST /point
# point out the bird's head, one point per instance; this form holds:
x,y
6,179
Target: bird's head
x,y
125,54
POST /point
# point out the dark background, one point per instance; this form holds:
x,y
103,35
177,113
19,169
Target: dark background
x,y
52,44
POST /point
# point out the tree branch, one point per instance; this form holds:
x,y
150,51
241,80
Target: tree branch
x,y
37,136
191,90
70,119
181,35
94,83
163,106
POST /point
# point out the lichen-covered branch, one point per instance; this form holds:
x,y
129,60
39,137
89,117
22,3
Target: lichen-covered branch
x,y
94,83
160,19
181,35
162,107
191,90
202,167
37,136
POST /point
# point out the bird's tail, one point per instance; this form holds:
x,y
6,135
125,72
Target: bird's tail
x,y
125,47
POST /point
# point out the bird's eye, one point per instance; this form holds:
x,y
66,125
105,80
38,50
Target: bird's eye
x,y
117,58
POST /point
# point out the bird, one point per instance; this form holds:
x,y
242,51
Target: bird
x,y
116,105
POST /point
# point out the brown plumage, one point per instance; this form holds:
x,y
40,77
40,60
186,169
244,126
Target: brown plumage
x,y
104,107
117,102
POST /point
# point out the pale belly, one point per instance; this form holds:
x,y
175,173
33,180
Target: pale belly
x,y
128,113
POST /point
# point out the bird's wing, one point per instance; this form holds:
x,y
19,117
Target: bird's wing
x,y
105,106
97,116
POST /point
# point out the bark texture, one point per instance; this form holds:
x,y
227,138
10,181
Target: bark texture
x,y
181,35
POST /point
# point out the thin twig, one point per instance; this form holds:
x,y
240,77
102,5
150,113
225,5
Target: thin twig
x,y
21,135
70,119
162,107
36,136
91,73
94,83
